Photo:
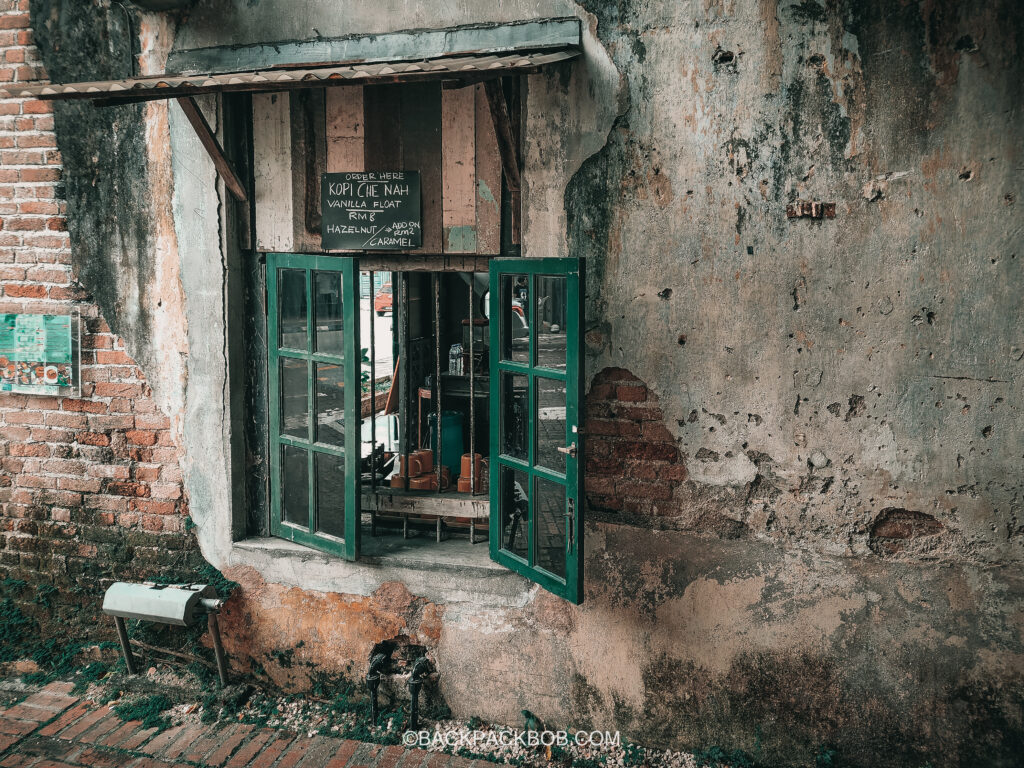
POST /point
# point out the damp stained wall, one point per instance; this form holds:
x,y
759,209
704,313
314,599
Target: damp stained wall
x,y
803,436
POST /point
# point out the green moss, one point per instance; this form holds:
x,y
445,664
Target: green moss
x,y
716,757
44,594
16,631
89,674
9,585
149,710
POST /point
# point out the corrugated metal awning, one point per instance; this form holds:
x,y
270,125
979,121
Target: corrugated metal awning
x,y
464,67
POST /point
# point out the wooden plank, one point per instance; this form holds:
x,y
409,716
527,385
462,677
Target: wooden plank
x,y
488,179
345,134
503,130
446,504
458,170
454,262
272,169
309,157
382,148
212,146
421,143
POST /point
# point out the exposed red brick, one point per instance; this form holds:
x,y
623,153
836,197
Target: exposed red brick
x,y
86,406
140,437
19,291
93,438
127,489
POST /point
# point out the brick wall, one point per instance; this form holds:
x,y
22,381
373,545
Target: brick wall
x,y
91,486
633,467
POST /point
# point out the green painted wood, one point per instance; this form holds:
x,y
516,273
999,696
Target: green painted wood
x,y
571,587
407,45
310,264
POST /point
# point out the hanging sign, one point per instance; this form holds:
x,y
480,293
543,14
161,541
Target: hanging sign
x,y
39,354
371,211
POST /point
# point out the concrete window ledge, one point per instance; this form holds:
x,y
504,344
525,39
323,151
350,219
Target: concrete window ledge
x,y
452,572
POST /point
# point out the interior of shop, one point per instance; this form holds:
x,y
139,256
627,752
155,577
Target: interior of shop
x,y
426,360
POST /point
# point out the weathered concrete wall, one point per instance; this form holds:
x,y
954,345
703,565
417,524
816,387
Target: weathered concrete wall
x,y
823,545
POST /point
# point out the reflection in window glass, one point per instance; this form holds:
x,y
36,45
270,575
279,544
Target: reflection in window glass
x,y
549,324
515,512
328,317
294,398
294,486
550,525
330,403
291,307
514,305
330,494
550,423
514,415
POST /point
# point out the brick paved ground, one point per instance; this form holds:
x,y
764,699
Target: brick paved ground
x,y
55,729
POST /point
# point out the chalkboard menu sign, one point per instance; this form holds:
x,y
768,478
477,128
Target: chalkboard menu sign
x,y
371,211
39,354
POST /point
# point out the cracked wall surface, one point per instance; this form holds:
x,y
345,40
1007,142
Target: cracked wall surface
x,y
819,542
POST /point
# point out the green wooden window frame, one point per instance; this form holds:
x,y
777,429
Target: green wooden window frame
x,y
502,464
316,452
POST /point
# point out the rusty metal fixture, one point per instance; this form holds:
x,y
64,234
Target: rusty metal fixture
x,y
437,373
373,387
472,398
420,669
377,663
808,209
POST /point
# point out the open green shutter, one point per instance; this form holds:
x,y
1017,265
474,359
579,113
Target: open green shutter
x,y
315,392
536,464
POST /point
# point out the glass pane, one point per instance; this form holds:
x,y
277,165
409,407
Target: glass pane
x,y
291,307
550,424
294,486
549,525
294,398
330,494
514,415
515,511
514,305
330,403
551,315
328,315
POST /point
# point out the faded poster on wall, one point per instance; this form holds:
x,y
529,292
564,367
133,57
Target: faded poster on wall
x,y
38,354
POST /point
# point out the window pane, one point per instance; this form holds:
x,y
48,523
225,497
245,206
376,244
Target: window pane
x,y
515,511
330,403
294,486
329,317
291,307
294,398
550,423
514,306
514,415
552,299
330,494
549,505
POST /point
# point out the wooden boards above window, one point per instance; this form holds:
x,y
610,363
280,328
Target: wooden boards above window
x,y
447,134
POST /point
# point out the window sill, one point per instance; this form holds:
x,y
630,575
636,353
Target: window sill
x,y
452,571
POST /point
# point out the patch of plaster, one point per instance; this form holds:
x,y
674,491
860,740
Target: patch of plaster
x,y
737,470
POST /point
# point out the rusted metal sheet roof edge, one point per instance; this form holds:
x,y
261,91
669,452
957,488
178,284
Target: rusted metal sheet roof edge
x,y
170,86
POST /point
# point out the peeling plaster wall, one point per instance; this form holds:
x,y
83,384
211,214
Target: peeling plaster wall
x,y
125,253
839,563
